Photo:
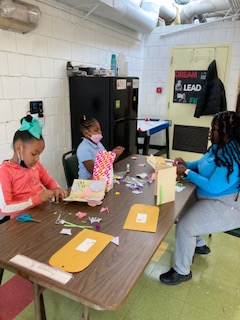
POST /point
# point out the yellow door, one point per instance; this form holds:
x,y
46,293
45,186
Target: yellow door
x,y
182,114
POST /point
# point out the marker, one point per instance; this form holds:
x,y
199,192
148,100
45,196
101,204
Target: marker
x,y
128,168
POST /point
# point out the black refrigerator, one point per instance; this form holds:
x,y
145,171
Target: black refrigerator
x,y
113,102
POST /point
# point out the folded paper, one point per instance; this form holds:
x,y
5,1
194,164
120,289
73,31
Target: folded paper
x,y
87,190
103,167
142,217
165,181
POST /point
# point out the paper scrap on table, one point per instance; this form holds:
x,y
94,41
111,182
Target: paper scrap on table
x,y
179,188
94,203
115,241
59,220
94,219
66,231
103,209
142,175
80,214
116,181
137,192
134,158
142,165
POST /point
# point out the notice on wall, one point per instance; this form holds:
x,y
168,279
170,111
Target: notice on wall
x,y
187,85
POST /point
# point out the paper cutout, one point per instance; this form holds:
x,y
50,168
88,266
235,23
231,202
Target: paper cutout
x,y
66,231
142,217
94,219
134,158
137,192
93,203
103,209
115,241
77,254
59,220
142,175
142,165
87,190
80,214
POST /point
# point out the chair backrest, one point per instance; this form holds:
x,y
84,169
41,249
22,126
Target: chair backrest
x,y
70,166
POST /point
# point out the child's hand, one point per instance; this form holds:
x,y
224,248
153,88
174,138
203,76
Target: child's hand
x,y
46,195
118,150
59,194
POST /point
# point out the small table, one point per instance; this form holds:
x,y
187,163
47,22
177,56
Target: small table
x,y
108,280
147,128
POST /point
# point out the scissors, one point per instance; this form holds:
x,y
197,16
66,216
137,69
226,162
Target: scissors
x,y
25,218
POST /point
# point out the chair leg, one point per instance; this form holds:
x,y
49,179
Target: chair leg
x,y
1,275
42,307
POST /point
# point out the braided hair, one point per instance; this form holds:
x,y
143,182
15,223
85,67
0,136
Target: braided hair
x,y
228,126
86,122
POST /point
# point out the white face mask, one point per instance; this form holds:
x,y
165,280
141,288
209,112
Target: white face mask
x,y
96,137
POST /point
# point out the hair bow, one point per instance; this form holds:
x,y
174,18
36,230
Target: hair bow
x,y
33,127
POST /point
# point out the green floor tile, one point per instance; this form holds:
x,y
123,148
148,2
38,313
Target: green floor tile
x,y
153,305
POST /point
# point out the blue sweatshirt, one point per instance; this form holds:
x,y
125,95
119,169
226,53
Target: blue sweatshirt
x,y
211,181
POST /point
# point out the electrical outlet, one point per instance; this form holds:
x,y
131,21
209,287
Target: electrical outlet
x,y
36,107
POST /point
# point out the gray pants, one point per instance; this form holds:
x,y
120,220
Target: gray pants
x,y
205,216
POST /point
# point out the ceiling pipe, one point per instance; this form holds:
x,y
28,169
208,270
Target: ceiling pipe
x,y
141,19
199,7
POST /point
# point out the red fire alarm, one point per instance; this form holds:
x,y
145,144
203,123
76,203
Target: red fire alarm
x,y
159,90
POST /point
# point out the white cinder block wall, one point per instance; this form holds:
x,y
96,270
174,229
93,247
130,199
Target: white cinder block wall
x,y
33,67
156,62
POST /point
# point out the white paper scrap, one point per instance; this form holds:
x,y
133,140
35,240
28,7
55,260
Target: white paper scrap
x,y
66,231
115,240
41,268
141,218
137,192
86,245
142,175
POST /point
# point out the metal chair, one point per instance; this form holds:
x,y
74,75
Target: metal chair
x,y
70,166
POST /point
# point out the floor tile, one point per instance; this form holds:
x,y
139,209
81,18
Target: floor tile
x,y
153,305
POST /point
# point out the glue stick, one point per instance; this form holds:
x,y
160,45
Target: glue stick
x,y
128,168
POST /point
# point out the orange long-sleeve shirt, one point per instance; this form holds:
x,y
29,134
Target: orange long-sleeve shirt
x,y
20,187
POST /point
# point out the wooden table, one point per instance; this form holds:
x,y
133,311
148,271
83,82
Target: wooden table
x,y
106,283
147,128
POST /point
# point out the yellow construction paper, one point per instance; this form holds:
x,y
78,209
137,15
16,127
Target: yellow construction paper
x,y
79,252
142,217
